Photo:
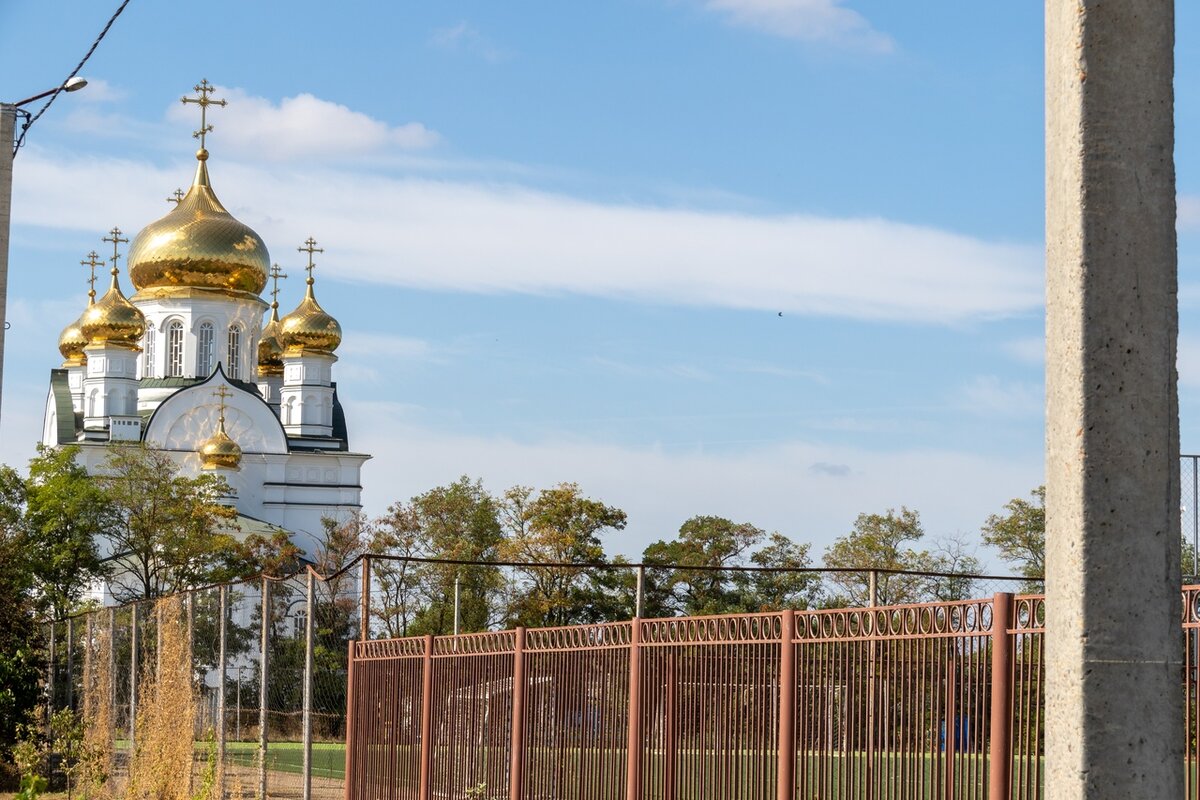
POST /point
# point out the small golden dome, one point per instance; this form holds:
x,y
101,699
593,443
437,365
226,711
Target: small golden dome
x,y
219,451
270,351
198,245
113,320
71,343
309,329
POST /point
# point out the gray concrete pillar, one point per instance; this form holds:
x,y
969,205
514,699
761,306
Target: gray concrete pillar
x,y
1114,718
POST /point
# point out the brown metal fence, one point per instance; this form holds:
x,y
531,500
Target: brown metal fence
x,y
940,700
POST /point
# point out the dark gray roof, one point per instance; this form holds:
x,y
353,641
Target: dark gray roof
x,y
64,409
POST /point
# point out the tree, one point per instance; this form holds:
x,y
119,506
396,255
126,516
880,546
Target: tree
x,y
703,541
65,512
21,654
879,542
1020,533
772,591
953,554
397,533
458,522
558,525
170,532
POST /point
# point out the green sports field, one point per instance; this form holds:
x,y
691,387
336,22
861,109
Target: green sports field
x,y
328,759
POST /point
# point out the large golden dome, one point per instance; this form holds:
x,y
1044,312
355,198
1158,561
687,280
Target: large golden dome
x,y
198,246
309,329
113,320
270,350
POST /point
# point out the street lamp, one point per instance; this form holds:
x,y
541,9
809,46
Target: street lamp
x,y
8,126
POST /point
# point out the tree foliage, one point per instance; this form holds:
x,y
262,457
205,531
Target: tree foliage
x,y
1019,534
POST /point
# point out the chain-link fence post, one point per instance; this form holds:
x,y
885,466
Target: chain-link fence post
x,y
306,712
222,656
364,601
71,663
112,660
640,597
133,676
263,669
51,666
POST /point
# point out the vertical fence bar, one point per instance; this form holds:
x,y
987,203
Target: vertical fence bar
x,y
263,669
1000,756
71,663
633,760
640,598
222,658
112,660
951,727
516,769
426,785
351,724
306,713
133,676
785,770
364,600
51,668
671,726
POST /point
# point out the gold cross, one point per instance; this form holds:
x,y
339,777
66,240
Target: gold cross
x,y
114,236
176,196
310,247
93,261
204,88
276,274
223,393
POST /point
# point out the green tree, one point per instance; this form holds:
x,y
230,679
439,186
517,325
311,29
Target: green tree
x,y
703,541
458,522
772,591
170,532
1019,534
65,513
397,597
879,542
558,525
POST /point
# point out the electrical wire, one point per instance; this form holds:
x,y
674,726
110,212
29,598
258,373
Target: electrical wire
x,y
29,123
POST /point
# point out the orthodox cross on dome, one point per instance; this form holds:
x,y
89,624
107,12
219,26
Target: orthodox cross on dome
x,y
276,274
93,261
176,197
223,392
204,89
115,237
310,247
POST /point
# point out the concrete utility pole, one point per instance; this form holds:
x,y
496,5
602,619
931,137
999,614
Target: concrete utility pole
x,y
1112,422
8,125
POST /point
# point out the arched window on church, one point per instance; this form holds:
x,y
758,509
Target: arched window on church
x,y
148,353
204,350
175,350
235,352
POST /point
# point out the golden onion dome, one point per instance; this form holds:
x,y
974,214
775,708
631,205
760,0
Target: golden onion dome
x,y
198,246
71,343
113,320
219,451
309,329
270,351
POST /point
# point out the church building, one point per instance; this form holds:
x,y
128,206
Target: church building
x,y
188,365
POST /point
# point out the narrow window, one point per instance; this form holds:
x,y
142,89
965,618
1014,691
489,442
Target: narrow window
x,y
235,352
175,350
204,350
148,353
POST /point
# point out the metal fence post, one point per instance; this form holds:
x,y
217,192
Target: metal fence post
x,y
633,743
785,788
112,661
71,663
263,668
51,668
351,723
952,727
133,676
640,597
1000,741
222,659
426,785
671,726
516,770
364,600
306,713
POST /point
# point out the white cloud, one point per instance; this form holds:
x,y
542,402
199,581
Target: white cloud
x,y
301,126
1188,361
508,238
1027,350
989,396
1187,212
465,37
804,490
806,20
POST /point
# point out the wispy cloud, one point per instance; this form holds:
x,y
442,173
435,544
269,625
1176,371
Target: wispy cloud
x,y
1027,350
303,125
827,21
989,395
477,235
466,38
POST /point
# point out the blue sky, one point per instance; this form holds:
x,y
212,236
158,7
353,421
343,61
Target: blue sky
x,y
778,260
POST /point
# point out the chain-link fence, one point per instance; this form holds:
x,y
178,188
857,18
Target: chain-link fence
x,y
263,704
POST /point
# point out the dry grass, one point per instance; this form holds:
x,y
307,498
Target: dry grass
x,y
161,766
98,733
